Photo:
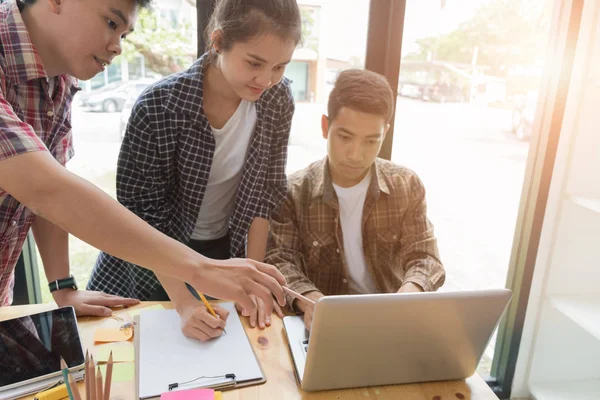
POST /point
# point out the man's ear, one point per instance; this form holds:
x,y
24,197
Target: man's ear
x,y
325,126
385,131
54,6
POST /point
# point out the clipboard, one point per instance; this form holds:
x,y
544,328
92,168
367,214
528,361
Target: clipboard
x,y
164,356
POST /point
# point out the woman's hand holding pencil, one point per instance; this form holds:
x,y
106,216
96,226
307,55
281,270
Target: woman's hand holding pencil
x,y
198,321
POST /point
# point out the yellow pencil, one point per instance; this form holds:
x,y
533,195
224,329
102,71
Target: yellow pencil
x,y
56,393
209,308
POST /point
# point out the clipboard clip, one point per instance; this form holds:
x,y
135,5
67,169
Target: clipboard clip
x,y
223,385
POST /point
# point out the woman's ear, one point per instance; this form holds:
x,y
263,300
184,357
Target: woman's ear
x,y
216,38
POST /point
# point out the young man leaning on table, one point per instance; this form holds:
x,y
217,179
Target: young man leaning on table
x,y
45,46
353,223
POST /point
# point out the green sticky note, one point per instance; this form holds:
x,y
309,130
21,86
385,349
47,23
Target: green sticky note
x,y
121,352
135,312
122,372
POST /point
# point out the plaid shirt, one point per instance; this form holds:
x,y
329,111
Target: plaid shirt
x,y
165,163
306,241
30,120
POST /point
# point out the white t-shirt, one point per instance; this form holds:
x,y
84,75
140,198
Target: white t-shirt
x,y
226,172
51,84
352,201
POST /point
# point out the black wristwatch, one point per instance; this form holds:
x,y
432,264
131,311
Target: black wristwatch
x,y
66,283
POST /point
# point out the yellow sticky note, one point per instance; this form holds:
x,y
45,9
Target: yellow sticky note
x,y
122,372
218,396
121,352
136,311
113,335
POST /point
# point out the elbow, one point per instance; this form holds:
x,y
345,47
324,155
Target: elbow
x,y
35,180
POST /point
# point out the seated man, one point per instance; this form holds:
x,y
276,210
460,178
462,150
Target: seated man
x,y
353,223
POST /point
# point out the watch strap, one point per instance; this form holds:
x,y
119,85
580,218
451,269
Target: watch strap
x,y
65,283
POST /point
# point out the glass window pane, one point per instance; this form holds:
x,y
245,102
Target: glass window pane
x,y
335,39
468,83
297,71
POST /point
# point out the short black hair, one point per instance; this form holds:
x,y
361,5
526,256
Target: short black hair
x,y
140,3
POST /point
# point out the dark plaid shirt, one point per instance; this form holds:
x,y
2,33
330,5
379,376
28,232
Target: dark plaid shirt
x,y
165,162
30,120
306,241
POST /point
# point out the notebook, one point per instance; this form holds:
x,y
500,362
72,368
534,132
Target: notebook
x,y
164,356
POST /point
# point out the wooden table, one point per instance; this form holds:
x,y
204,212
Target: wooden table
x,y
271,348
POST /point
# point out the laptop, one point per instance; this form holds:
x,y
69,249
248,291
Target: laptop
x,y
385,339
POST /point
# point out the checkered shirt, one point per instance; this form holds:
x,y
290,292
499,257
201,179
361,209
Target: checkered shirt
x,y
165,162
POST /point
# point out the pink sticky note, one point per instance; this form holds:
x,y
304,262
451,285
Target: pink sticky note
x,y
192,394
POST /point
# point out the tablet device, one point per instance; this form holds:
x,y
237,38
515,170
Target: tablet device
x,y
31,347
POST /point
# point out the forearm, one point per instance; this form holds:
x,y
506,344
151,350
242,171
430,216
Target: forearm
x,y
82,209
257,239
53,245
177,291
302,306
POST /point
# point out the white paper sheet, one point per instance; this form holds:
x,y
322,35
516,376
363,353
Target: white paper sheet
x,y
166,356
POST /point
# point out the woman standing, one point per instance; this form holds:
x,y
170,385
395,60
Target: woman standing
x,y
203,158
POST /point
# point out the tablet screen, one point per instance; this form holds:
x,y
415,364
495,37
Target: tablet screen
x,y
31,346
